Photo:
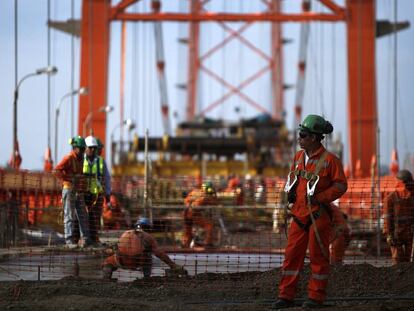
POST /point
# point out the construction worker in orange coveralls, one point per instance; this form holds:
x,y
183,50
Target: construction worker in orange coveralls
x,y
112,214
206,196
235,188
135,249
316,179
69,170
399,218
340,236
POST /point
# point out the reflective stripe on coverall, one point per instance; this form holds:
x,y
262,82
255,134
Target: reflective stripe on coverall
x,y
332,185
398,222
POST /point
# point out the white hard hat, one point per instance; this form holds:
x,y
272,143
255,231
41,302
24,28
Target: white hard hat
x,y
91,141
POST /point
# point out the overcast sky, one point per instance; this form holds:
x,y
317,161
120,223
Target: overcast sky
x,y
325,84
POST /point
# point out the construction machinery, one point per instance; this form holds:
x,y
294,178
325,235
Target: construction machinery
x,y
207,147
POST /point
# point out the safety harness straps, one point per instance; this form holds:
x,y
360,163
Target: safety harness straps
x,y
312,218
308,175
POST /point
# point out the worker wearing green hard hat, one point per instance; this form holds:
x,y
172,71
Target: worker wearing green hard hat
x,y
77,141
316,124
208,187
69,170
316,180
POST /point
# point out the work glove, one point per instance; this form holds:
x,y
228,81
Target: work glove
x,y
179,270
390,240
291,197
108,198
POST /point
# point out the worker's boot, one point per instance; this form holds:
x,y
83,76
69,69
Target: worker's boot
x,y
107,272
146,270
282,304
312,304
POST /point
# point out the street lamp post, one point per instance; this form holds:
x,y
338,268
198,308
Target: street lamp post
x,y
86,123
130,125
15,160
80,91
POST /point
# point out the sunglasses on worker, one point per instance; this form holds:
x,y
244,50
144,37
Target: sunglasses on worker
x,y
303,134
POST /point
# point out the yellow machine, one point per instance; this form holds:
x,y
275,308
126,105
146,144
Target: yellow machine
x,y
206,147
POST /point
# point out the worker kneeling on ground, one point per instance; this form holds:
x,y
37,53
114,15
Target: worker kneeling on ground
x,y
135,249
316,179
399,218
206,196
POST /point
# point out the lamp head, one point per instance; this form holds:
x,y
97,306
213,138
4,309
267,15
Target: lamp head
x,y
130,124
106,109
83,91
51,70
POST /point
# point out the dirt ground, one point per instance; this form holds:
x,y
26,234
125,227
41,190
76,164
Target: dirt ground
x,y
238,291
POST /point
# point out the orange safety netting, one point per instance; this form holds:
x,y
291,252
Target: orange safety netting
x,y
244,229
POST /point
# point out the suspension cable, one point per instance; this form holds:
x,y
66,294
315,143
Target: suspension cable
x,y
16,60
72,73
48,76
333,77
223,59
134,65
122,79
322,67
395,73
400,106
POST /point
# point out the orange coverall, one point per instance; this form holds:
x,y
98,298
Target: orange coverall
x,y
194,216
340,236
332,184
135,249
398,222
70,171
112,215
234,187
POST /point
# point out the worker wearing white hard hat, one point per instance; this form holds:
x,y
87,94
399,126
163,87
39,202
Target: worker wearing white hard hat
x,y
91,142
93,169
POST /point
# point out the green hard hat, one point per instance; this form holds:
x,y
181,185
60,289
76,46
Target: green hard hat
x,y
316,124
207,184
100,144
208,187
77,141
405,176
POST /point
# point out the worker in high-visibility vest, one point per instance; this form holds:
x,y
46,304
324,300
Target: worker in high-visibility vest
x,y
93,170
316,179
